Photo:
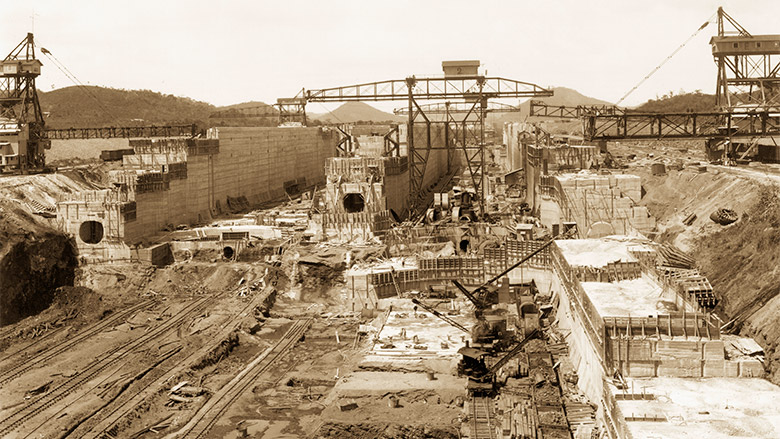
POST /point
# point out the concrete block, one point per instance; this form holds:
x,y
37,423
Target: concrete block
x,y
750,368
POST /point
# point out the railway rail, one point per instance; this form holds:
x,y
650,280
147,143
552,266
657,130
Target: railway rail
x,y
219,403
105,428
111,358
27,362
481,422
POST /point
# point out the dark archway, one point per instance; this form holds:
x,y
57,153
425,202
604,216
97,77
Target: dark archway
x,y
354,203
91,232
228,252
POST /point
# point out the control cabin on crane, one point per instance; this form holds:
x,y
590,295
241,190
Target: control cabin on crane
x,y
23,138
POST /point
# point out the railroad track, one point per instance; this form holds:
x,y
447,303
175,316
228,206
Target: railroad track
x,y
109,359
217,405
481,427
105,427
26,364
33,346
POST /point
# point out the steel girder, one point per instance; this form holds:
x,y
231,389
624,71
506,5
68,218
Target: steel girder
x,y
429,88
541,109
681,125
122,132
448,134
291,110
447,108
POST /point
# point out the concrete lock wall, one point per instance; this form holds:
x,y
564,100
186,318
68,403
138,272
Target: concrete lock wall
x,y
252,162
172,184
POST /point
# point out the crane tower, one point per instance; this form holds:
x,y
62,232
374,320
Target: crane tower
x,y
23,139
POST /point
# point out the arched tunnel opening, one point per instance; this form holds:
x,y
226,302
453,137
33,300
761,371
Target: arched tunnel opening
x,y
91,232
464,245
228,252
354,203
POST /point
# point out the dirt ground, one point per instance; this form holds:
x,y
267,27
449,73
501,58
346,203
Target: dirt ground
x,y
296,397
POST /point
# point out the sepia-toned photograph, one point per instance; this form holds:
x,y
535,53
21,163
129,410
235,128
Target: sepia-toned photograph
x,y
432,219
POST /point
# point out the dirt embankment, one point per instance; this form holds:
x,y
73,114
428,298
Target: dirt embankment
x,y
741,260
35,260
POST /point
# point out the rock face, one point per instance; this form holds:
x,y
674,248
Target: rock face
x,y
34,261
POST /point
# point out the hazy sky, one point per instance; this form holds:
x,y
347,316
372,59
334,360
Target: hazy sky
x,y
226,52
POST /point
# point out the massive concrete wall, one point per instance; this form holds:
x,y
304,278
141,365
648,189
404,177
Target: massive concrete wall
x,y
174,182
256,162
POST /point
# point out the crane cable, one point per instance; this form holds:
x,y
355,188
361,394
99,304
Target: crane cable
x,y
706,23
65,71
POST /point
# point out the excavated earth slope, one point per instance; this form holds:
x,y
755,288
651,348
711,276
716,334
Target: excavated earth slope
x,y
34,261
741,260
35,258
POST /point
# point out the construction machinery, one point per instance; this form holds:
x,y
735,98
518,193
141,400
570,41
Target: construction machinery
x,y
745,122
462,82
481,372
23,139
444,317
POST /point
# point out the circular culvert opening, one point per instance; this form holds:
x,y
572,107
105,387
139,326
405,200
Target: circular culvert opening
x,y
464,245
228,252
354,203
91,232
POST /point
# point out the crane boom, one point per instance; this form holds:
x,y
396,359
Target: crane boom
x,y
477,301
441,316
512,353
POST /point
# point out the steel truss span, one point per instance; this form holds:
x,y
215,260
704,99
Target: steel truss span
x,y
121,132
681,125
462,130
429,88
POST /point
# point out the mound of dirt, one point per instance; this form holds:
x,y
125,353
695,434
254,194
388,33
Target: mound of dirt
x,y
35,260
673,197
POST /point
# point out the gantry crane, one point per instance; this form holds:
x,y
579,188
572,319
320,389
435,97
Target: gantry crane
x,y
23,137
747,99
460,82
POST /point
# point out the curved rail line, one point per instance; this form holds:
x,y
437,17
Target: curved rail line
x,y
109,359
104,427
210,413
30,363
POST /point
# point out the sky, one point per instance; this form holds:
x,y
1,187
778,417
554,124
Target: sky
x,y
227,52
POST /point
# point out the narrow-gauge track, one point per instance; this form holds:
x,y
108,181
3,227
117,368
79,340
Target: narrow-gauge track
x,y
21,367
33,346
109,359
481,427
217,405
104,428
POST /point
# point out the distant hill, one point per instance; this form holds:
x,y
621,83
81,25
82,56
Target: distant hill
x,y
681,103
93,106
98,106
252,113
562,96
356,112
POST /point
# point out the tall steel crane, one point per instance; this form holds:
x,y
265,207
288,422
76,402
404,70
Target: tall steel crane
x,y
461,81
23,137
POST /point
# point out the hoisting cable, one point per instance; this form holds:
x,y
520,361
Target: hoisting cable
x,y
667,58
